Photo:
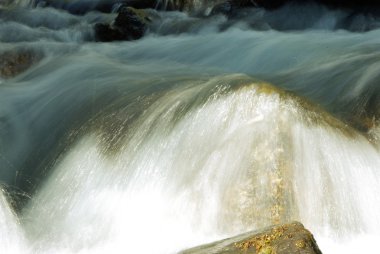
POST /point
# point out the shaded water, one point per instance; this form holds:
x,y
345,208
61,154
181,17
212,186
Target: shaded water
x,y
168,142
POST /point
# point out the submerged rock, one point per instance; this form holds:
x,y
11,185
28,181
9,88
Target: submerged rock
x,y
130,24
281,239
15,62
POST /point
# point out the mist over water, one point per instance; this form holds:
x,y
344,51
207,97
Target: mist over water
x,y
176,140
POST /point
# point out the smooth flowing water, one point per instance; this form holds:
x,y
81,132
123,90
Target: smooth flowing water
x,y
206,128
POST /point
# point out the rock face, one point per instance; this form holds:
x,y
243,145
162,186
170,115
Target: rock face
x,y
15,62
130,24
282,239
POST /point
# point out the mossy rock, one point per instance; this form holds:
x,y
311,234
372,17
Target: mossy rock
x,y
279,239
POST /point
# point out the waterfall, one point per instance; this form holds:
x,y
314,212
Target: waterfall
x,y
203,162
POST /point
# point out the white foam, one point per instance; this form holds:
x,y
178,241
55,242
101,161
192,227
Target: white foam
x,y
208,176
11,236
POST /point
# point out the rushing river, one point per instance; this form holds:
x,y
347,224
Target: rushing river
x,y
205,128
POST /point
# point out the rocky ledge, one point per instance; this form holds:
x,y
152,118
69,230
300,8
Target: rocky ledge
x,y
281,239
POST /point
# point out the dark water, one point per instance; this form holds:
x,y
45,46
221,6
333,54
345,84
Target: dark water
x,y
178,139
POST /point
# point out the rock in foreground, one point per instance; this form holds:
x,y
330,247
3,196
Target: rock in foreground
x,y
282,239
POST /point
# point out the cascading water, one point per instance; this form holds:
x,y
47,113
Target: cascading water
x,y
11,235
165,143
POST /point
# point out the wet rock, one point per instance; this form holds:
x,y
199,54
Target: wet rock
x,y
130,24
365,119
281,239
225,8
15,62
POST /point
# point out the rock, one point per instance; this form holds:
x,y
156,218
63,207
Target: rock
x,y
106,33
222,8
130,24
15,62
281,239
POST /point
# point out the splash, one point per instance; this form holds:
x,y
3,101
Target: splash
x,y
204,162
11,235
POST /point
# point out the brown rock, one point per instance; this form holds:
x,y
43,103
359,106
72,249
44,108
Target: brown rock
x,y
280,239
15,62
